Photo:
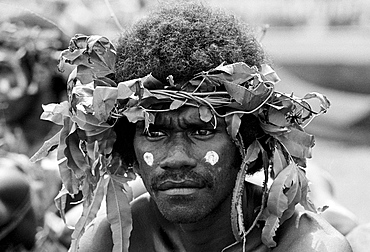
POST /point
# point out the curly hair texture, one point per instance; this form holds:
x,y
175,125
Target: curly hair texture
x,y
183,40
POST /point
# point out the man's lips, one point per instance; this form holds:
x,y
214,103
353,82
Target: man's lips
x,y
183,187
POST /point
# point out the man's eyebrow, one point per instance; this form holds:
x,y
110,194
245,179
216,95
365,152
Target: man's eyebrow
x,y
183,124
199,124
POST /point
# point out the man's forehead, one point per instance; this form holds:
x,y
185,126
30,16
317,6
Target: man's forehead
x,y
183,117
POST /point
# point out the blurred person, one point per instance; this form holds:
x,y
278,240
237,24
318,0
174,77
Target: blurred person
x,y
27,191
188,102
28,76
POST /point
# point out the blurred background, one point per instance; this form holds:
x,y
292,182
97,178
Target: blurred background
x,y
316,45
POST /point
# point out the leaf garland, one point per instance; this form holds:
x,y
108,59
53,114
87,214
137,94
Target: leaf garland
x,y
103,102
96,53
86,139
233,122
95,103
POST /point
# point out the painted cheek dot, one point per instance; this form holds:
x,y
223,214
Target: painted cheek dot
x,y
148,158
211,157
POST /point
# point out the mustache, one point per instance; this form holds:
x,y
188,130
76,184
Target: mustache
x,y
181,176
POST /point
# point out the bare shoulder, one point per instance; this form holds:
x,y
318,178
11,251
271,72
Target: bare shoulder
x,y
307,231
98,235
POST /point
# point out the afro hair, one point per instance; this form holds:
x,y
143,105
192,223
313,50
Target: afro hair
x,y
182,40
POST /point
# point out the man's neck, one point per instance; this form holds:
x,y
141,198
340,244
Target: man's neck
x,y
210,234
214,233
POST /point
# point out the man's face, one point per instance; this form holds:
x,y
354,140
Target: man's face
x,y
188,166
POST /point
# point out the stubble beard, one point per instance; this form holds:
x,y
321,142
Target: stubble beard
x,y
188,212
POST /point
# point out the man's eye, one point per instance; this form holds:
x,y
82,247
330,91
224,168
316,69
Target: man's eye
x,y
203,132
155,133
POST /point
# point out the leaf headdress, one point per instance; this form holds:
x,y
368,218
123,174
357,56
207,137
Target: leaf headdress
x,y
96,102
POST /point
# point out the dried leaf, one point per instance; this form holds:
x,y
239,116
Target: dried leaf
x,y
84,74
325,103
82,96
75,158
293,194
288,213
90,209
104,140
124,91
279,159
46,148
68,177
237,73
104,101
94,52
119,215
277,117
150,82
205,113
277,201
252,152
104,82
305,200
68,56
89,123
55,112
60,202
103,48
233,124
298,143
273,129
246,99
269,230
134,114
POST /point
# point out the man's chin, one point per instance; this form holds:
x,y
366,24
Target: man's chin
x,y
182,214
182,218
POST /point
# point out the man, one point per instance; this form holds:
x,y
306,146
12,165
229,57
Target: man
x,y
194,112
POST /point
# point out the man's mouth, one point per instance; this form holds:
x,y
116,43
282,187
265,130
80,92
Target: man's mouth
x,y
183,187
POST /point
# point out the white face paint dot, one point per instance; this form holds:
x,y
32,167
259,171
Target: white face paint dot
x,y
211,157
148,158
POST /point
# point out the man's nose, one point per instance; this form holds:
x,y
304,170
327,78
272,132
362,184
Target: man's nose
x,y
178,157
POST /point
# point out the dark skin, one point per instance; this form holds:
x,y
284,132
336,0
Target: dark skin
x,y
187,207
180,180
187,189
